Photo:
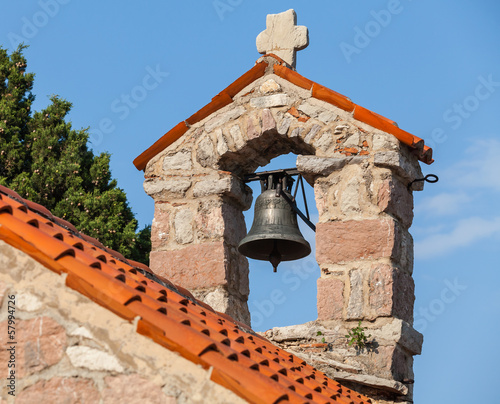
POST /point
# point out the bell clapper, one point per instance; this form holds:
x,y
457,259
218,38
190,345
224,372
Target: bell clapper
x,y
275,256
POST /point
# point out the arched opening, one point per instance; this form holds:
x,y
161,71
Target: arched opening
x,y
287,297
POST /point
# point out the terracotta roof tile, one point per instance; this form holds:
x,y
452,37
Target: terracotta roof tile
x,y
225,97
242,361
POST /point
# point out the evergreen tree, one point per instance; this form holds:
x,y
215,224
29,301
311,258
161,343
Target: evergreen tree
x,y
43,159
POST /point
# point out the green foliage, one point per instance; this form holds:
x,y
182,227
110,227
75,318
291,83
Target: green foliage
x,y
43,159
357,336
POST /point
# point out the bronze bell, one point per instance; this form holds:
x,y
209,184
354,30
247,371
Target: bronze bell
x,y
275,234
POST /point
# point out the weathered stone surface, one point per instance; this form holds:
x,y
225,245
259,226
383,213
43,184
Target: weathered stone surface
x,y
312,133
395,199
40,344
183,224
352,140
381,290
178,161
282,36
349,198
229,186
223,118
400,165
205,152
223,301
310,110
269,101
324,142
269,86
195,266
67,390
222,146
312,166
165,189
385,142
237,137
93,359
355,307
401,332
160,228
27,301
253,129
295,332
354,240
268,122
327,116
285,124
319,360
133,389
391,292
372,381
330,298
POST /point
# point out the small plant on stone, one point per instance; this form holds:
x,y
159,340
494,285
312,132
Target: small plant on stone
x,y
357,336
320,333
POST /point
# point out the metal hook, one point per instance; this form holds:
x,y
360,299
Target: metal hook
x,y
430,178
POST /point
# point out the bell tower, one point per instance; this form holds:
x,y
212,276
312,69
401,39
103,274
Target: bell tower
x,y
362,167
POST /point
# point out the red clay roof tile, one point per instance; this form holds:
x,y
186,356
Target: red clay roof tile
x,y
318,91
242,361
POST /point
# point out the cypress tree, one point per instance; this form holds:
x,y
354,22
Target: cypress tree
x,y
47,161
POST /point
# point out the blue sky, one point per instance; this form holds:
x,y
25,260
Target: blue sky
x,y
434,67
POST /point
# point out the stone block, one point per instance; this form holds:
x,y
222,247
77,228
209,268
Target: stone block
x,y
224,118
284,125
223,301
222,146
392,292
330,298
133,389
40,343
269,101
310,110
178,161
269,86
205,152
183,224
356,240
394,198
268,122
349,198
402,333
356,304
312,166
93,359
193,267
401,165
229,186
27,301
160,228
67,390
312,134
166,189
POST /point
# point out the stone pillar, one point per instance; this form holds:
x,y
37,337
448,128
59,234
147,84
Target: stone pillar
x,y
197,226
365,253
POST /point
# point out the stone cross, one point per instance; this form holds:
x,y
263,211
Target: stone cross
x,y
283,37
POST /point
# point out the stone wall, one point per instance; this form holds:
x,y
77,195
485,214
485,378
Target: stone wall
x,y
71,350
